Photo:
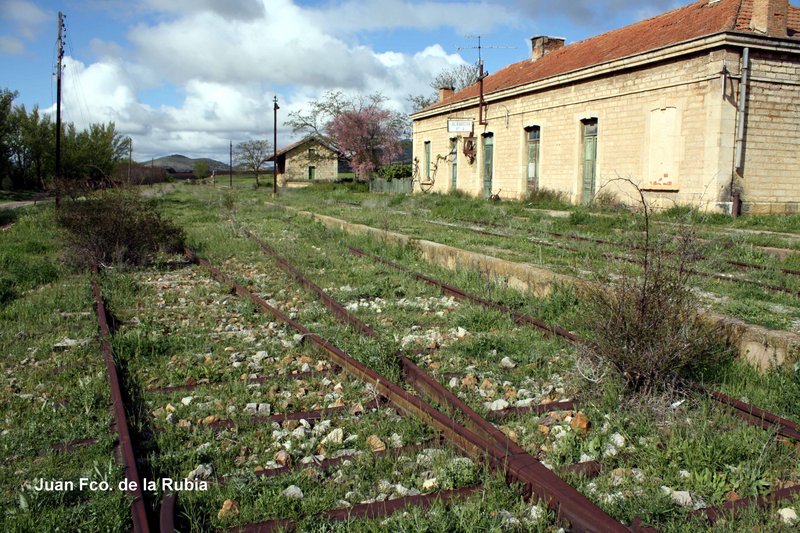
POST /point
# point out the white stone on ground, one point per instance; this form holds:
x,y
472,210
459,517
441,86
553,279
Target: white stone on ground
x,y
788,516
334,437
293,492
496,405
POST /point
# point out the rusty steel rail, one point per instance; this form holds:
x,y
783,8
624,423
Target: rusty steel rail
x,y
753,414
138,507
426,385
715,513
310,416
388,507
166,517
420,380
262,379
327,464
364,510
72,445
539,409
739,264
335,307
633,261
459,294
555,492
749,413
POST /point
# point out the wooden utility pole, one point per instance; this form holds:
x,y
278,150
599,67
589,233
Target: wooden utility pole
x,y
130,158
275,147
58,108
230,167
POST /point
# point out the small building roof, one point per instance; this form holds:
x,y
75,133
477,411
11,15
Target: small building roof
x,y
307,140
699,19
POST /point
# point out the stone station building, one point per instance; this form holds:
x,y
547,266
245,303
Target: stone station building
x,y
693,105
309,159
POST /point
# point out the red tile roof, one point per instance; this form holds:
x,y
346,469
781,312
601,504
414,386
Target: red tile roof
x,y
689,22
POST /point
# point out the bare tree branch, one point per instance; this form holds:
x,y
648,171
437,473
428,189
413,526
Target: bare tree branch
x,y
253,155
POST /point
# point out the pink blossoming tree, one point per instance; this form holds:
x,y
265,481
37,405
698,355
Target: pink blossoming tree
x,y
365,132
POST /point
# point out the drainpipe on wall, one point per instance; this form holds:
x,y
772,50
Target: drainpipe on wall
x,y
739,155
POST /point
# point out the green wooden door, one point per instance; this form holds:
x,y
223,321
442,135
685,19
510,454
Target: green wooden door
x,y
312,171
427,160
589,160
454,170
533,158
488,164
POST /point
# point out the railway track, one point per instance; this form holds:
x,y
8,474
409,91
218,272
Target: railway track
x,y
632,260
446,408
749,413
443,397
334,423
495,455
580,512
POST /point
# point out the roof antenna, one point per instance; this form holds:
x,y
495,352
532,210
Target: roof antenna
x,y
481,73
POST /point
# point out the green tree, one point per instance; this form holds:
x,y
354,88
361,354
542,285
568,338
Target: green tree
x,y
39,133
201,169
90,157
31,144
6,131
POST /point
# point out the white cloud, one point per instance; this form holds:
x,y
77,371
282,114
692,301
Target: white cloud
x,y
229,9
281,47
26,15
11,45
593,13
411,74
466,17
24,21
226,67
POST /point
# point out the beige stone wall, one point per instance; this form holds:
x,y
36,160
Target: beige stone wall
x,y
771,174
324,161
668,118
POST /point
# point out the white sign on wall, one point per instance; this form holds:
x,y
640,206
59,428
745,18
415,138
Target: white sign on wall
x,y
459,125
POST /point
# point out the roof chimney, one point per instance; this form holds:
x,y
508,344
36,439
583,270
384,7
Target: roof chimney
x,y
445,92
769,17
542,45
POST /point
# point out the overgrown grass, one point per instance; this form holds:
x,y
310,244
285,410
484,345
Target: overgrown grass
x,y
179,326
543,198
7,216
28,254
450,219
51,393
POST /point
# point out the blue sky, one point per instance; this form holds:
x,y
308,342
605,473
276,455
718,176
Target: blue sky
x,y
187,76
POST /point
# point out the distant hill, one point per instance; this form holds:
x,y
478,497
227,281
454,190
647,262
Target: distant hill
x,y
181,163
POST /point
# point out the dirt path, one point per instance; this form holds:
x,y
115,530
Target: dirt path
x,y
36,199
17,205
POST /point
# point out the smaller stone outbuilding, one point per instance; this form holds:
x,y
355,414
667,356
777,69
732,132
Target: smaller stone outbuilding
x,y
310,159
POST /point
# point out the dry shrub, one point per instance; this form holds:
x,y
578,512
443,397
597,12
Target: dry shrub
x,y
646,324
116,227
545,198
608,200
